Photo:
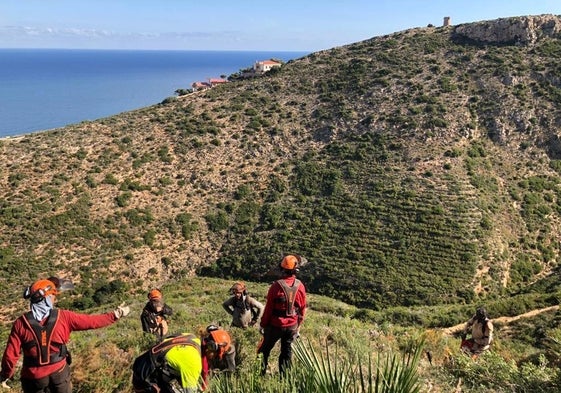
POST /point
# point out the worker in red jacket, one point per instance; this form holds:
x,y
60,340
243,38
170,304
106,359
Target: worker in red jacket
x,y
42,334
284,313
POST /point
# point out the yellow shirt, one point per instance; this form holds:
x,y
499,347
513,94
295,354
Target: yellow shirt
x,y
186,361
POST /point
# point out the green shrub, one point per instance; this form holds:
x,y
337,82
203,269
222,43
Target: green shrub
x,y
493,372
217,221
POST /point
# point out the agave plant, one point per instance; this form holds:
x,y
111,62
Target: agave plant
x,y
316,371
328,376
394,375
390,374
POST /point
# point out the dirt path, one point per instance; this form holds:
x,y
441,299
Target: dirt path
x,y
504,320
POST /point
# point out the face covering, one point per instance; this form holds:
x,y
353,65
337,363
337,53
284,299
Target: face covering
x,y
42,309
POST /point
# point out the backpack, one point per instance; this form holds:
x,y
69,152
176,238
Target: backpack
x,y
42,340
290,296
153,360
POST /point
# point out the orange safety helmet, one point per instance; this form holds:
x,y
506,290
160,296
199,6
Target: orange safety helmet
x,y
238,287
219,342
290,262
155,294
39,290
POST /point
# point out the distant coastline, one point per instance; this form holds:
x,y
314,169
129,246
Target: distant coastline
x,y
44,89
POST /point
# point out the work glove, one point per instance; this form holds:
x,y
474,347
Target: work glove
x,y
4,383
122,311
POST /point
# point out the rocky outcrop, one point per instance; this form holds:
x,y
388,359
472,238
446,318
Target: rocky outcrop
x,y
524,30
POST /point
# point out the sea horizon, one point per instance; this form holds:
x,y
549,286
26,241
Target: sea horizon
x,y
44,89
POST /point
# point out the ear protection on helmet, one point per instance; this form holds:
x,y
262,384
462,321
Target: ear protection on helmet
x,y
212,346
218,341
37,296
27,293
218,348
290,262
39,290
238,287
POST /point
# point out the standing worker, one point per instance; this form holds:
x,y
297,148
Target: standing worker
x,y
154,314
244,309
182,360
42,335
284,313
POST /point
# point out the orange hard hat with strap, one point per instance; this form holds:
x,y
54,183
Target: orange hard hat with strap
x,y
155,294
219,341
238,287
39,290
289,262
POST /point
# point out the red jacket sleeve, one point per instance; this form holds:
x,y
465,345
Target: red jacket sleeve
x,y
76,322
204,372
300,301
12,352
68,321
268,312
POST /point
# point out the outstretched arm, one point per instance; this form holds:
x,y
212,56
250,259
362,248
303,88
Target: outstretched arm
x,y
77,321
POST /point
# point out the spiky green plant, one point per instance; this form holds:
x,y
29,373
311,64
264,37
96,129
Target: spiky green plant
x,y
329,376
294,381
390,374
394,375
318,372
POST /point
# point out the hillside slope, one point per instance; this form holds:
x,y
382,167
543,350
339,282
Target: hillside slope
x,y
420,167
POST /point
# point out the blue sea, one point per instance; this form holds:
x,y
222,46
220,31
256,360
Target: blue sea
x,y
41,89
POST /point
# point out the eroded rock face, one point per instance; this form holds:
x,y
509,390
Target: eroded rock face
x,y
524,30
553,147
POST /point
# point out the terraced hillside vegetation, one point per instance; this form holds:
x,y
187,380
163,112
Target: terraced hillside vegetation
x,y
417,168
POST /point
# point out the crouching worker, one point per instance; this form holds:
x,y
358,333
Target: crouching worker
x,y
42,335
481,329
181,360
226,359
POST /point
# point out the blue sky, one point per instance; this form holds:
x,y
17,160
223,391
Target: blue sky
x,y
277,25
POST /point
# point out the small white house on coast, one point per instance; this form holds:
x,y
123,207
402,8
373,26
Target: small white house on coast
x,y
263,66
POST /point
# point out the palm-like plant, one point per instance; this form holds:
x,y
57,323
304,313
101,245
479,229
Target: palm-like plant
x,y
318,372
390,374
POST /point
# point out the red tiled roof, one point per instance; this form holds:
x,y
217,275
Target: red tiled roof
x,y
269,62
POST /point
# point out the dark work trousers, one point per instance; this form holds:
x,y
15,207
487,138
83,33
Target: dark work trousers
x,y
227,363
271,335
57,382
